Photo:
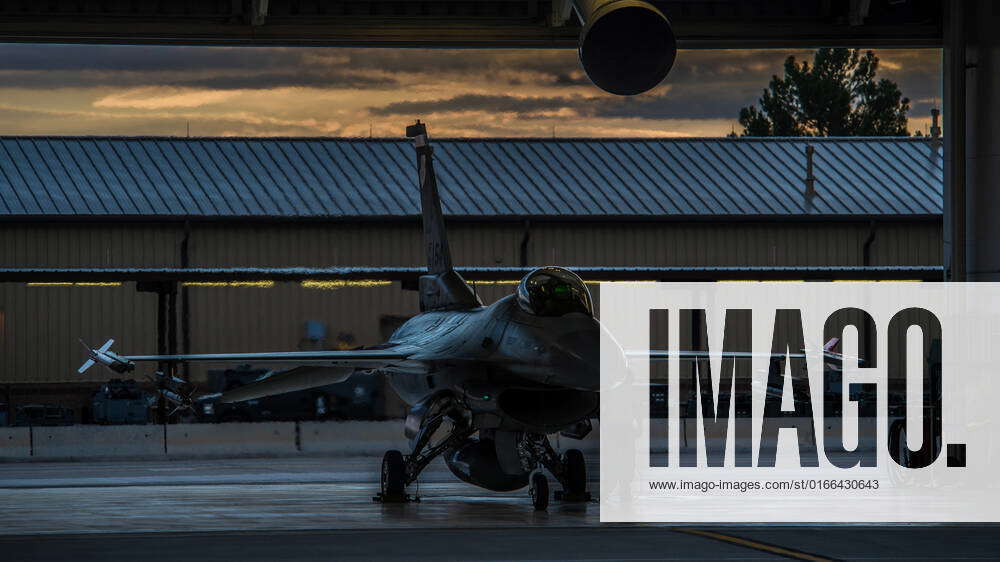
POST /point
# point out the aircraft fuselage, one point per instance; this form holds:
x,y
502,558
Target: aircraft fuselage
x,y
512,370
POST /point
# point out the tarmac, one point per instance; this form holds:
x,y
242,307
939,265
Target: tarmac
x,y
322,509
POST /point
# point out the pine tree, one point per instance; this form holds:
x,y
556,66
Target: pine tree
x,y
837,95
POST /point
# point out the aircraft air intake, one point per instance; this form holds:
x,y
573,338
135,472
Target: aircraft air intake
x,y
627,46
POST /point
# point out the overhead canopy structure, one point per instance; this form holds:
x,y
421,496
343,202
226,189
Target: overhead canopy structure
x,y
464,23
408,275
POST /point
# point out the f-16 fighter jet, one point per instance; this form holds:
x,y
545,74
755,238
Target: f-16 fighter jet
x,y
486,385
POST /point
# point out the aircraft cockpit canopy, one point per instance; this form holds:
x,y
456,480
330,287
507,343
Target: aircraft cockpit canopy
x,y
554,291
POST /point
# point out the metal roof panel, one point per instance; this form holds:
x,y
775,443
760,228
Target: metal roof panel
x,y
330,177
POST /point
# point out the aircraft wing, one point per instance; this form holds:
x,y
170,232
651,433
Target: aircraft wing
x,y
666,354
352,358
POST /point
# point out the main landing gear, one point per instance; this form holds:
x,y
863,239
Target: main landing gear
x,y
532,451
399,471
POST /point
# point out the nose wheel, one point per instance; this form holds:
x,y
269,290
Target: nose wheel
x,y
570,469
538,489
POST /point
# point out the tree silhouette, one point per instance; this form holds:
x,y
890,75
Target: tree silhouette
x,y
835,96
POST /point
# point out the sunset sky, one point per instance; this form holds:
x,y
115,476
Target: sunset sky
x,y
116,90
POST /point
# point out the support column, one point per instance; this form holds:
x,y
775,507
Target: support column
x,y
982,194
166,329
954,139
186,300
161,346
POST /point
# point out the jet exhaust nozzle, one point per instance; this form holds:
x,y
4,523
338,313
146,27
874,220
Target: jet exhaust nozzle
x,y
627,46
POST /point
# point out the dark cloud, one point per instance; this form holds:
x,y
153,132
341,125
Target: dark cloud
x,y
218,81
88,65
224,68
681,102
464,62
346,80
574,79
141,58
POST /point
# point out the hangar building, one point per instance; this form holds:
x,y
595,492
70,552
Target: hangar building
x,y
282,202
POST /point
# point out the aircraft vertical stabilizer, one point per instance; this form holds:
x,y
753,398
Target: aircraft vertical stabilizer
x,y
442,288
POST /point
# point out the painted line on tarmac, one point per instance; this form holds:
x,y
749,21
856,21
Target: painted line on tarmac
x,y
756,545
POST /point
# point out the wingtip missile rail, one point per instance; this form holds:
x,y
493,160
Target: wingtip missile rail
x,y
106,357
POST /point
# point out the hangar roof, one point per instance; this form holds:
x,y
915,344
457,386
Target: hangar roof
x,y
287,178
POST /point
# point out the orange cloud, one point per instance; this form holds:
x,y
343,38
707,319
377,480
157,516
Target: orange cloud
x,y
159,97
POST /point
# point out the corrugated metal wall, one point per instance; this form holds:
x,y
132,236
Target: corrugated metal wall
x,y
481,244
735,244
625,244
41,324
90,245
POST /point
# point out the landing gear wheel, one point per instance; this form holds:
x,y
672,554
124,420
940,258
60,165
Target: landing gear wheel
x,y
539,491
393,477
574,478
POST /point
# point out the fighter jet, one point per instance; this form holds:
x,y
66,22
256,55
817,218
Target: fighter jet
x,y
486,385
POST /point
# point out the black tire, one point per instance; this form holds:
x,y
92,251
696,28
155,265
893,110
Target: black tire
x,y
393,475
539,491
576,471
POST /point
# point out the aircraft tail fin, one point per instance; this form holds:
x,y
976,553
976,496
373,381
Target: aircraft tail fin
x,y
435,237
443,288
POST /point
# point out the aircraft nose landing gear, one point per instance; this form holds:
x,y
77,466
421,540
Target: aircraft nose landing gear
x,y
570,470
